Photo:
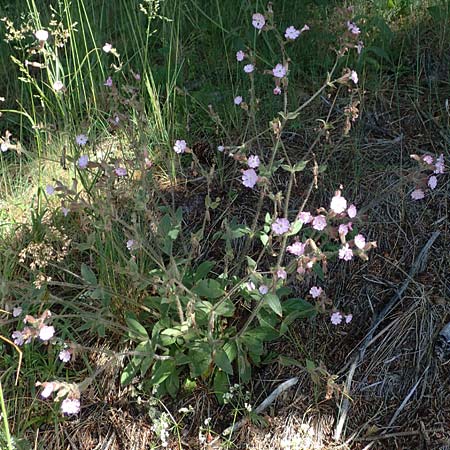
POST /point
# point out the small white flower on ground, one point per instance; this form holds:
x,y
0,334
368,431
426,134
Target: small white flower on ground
x,y
336,318
297,248
64,355
41,35
49,189
439,167
248,68
130,244
70,406
17,311
432,182
276,90
315,291
417,194
107,47
280,226
348,318
58,85
220,148
319,223
354,77
83,161
258,21
360,241
180,146
46,333
17,338
338,204
249,178
48,389
121,171
263,289
292,33
4,147
351,211
428,159
305,217
240,55
282,274
237,100
81,139
345,253
279,71
253,161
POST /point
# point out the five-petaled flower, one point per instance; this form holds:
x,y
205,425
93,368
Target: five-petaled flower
x,y
258,21
336,318
417,194
292,33
83,161
345,253
280,226
249,178
360,241
315,291
81,139
338,204
279,71
297,248
253,161
180,146
237,100
240,55
248,68
319,223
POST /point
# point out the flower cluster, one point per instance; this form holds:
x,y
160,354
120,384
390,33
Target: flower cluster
x,y
427,176
70,392
38,328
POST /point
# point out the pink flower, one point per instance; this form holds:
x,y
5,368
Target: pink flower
x,y
428,159
220,148
120,171
65,211
305,28
432,182
351,26
237,100
305,217
276,90
280,226
319,223
351,211
131,244
180,146
64,355
81,139
248,68
49,189
279,71
249,178
240,55
343,229
439,166
70,406
253,161
263,289
348,318
83,161
48,389
360,241
258,21
18,337
297,248
345,253
336,318
17,311
417,194
338,204
354,77
292,33
107,47
108,82
315,291
46,333
282,274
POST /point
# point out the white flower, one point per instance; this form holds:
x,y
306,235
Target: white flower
x,y
258,21
338,204
253,161
81,139
41,35
249,178
48,390
354,77
237,100
4,147
279,71
70,406
64,355
351,211
292,33
46,333
315,291
432,182
360,241
58,85
220,148
240,55
180,146
263,289
17,311
107,47
248,68
336,318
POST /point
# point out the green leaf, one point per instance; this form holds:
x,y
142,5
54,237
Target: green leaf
x,y
173,384
274,303
203,269
135,330
163,369
264,238
128,373
208,288
226,308
295,228
245,371
221,385
222,361
88,275
200,359
289,362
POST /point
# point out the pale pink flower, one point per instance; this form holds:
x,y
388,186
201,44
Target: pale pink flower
x,y
428,159
345,253
439,166
336,318
48,389
18,337
305,217
237,100
108,82
360,241
338,204
17,311
70,406
248,68
348,318
280,226
282,274
315,291
276,90
107,47
253,161
249,178
297,248
292,33
417,194
279,71
49,189
83,161
81,139
319,223
131,244
432,182
120,171
41,35
250,286
220,148
359,47
305,28
258,21
180,146
65,355
263,289
46,333
343,229
58,85
354,77
240,55
351,26
351,211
